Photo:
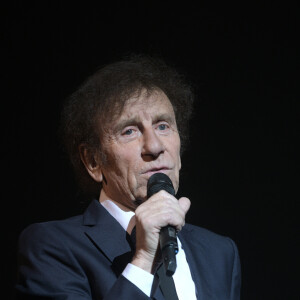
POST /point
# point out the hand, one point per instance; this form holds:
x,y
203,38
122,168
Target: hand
x,y
158,211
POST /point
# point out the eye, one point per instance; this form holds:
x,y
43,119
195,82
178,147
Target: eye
x,y
128,131
163,126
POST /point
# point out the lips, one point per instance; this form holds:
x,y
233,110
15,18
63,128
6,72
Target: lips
x,y
160,169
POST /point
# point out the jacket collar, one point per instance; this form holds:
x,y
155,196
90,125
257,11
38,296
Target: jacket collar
x,y
105,232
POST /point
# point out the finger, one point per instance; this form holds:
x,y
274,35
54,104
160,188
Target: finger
x,y
160,196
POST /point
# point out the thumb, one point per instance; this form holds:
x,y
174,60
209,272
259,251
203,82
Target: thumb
x,y
185,204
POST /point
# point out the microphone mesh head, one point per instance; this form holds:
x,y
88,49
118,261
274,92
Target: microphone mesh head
x,y
158,182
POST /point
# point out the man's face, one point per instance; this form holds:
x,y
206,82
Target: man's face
x,y
142,141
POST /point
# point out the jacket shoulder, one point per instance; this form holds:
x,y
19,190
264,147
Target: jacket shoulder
x,y
38,233
208,239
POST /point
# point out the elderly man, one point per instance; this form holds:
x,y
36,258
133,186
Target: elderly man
x,y
127,122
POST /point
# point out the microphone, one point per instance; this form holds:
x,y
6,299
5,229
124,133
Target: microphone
x,y
168,236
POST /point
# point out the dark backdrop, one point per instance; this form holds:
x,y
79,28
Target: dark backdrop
x,y
240,169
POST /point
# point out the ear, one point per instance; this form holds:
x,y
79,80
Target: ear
x,y
91,161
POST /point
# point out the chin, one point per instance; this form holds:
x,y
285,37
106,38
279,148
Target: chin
x,y
140,197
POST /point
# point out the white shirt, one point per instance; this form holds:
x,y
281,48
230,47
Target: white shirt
x,y
183,281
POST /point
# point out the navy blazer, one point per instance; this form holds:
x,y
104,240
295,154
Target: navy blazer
x,y
82,258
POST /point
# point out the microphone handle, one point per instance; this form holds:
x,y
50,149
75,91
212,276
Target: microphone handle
x,y
169,248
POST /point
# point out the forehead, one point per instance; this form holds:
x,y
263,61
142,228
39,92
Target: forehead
x,y
146,105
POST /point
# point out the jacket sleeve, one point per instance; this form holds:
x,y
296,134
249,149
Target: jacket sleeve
x,y
236,274
48,270
123,289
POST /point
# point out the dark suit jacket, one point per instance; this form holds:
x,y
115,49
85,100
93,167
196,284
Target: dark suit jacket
x,y
83,257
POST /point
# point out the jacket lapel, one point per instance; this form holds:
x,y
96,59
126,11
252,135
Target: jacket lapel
x,y
193,248
107,235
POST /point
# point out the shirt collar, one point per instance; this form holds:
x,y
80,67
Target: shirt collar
x,y
125,217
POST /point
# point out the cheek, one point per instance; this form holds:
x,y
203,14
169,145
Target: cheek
x,y
178,146
178,151
125,163
114,166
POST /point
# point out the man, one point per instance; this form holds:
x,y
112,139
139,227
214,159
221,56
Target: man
x,y
127,122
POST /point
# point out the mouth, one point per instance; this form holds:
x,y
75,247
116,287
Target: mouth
x,y
152,171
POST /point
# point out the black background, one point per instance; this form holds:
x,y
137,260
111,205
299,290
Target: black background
x,y
240,171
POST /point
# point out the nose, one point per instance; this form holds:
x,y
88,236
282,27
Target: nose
x,y
152,144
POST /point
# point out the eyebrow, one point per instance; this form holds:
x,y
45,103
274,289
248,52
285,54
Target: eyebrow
x,y
165,117
137,121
